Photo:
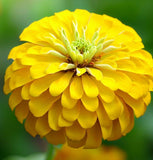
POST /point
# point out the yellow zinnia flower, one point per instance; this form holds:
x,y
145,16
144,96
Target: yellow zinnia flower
x,y
78,78
103,153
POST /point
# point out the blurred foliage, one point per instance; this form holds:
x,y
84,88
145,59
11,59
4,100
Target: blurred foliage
x,y
15,15
39,156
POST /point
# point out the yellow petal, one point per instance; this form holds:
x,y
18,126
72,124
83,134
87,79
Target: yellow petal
x,y
123,82
42,126
35,49
94,137
95,21
75,132
89,86
30,125
125,119
86,118
114,108
71,114
31,60
56,137
140,86
116,131
8,73
65,17
25,91
21,111
91,104
143,55
63,123
126,65
40,85
80,71
76,90
75,143
131,40
19,78
67,101
147,98
53,68
103,116
59,85
105,93
40,105
6,87
138,105
131,123
16,65
15,98
95,73
38,70
134,45
110,83
104,121
19,51
82,17
53,115
150,85
106,131
36,31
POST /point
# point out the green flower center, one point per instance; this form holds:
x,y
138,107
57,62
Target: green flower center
x,y
82,45
81,51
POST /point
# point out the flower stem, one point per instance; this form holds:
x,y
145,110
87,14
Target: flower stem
x,y
50,153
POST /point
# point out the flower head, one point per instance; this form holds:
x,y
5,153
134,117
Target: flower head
x,y
79,78
105,153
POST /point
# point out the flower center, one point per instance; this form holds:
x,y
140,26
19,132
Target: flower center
x,y
82,45
83,52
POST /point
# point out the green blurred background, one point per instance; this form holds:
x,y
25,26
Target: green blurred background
x,y
15,15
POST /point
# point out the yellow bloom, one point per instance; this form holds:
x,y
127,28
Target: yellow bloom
x,y
103,153
79,78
